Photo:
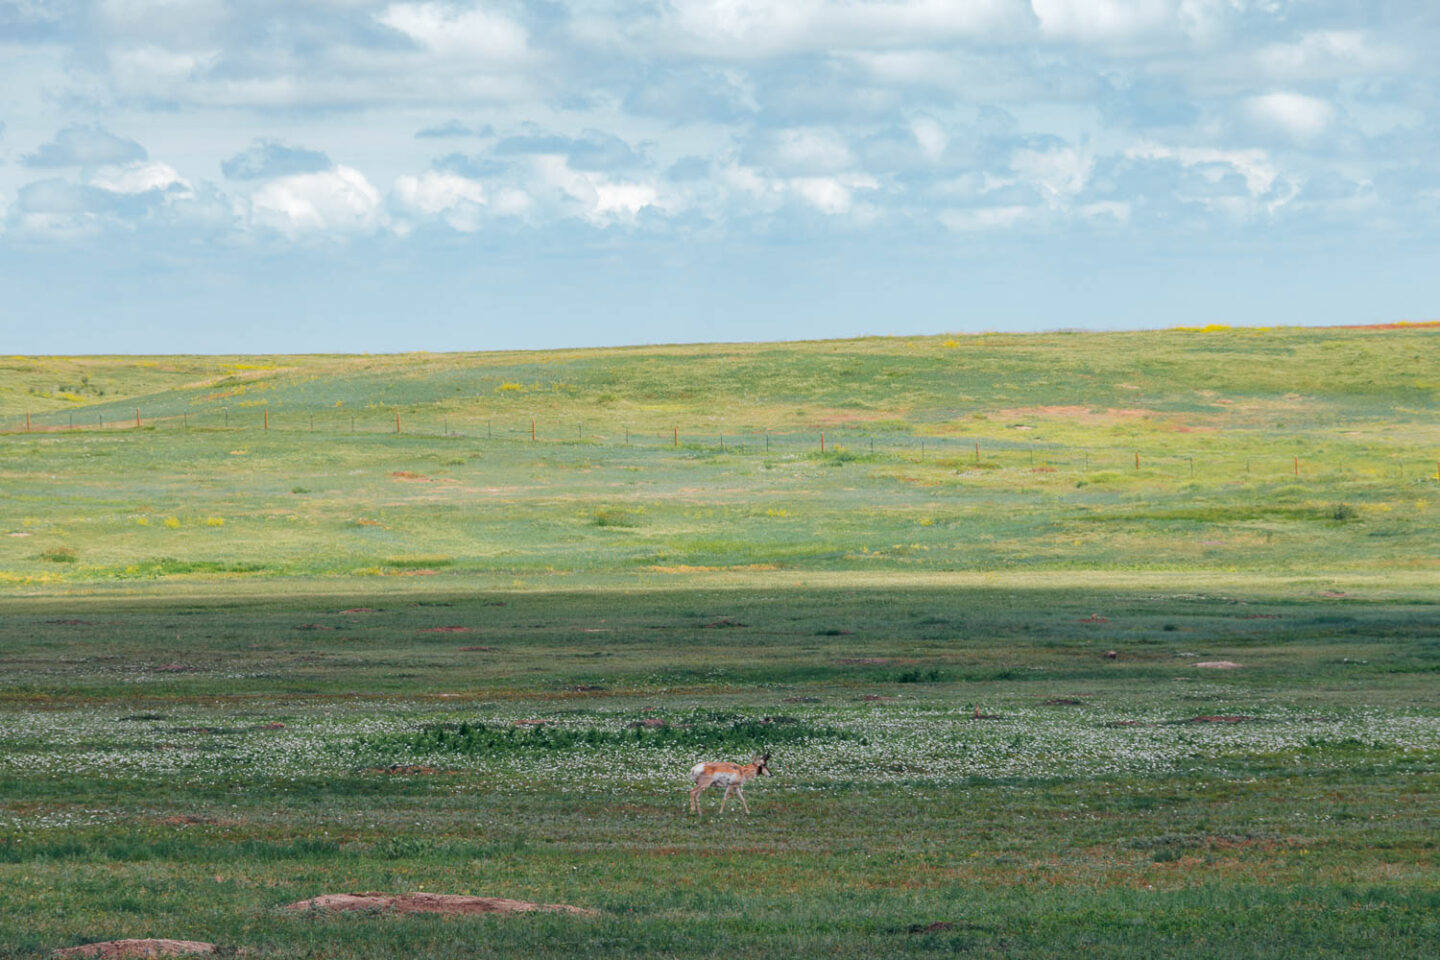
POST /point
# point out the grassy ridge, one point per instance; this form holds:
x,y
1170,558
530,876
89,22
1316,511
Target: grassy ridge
x,y
1258,450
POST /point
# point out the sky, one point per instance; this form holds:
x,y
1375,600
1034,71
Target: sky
x,y
202,176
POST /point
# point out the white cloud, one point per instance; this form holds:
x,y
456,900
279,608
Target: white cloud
x,y
473,35
459,201
594,196
1294,115
1328,54
339,200
747,29
972,219
1094,20
1060,173
141,178
1254,166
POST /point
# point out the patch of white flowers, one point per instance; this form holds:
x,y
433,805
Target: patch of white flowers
x,y
895,742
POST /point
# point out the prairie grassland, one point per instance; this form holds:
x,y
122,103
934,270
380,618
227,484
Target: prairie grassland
x,y
244,666
1260,451
145,788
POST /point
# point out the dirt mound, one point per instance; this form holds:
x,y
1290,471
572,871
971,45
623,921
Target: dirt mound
x,y
1219,665
448,903
137,948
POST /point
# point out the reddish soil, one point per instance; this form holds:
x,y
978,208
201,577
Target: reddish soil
x,y
137,948
1094,618
1402,325
446,903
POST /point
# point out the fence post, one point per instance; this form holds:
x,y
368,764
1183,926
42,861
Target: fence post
x,y
1137,459
1297,466
137,418
27,421
767,439
397,421
822,441
532,429
675,437
977,451
267,418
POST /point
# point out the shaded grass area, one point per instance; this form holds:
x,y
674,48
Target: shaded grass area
x,y
191,785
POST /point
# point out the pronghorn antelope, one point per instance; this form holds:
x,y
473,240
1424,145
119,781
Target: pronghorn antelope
x,y
731,775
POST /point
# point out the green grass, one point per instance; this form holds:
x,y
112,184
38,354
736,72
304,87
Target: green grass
x,y
144,789
1218,420
243,666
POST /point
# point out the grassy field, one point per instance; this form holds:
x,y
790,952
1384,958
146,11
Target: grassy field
x,y
243,666
145,791
1267,451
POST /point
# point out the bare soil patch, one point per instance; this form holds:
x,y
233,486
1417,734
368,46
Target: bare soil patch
x,y
445,903
137,948
1219,665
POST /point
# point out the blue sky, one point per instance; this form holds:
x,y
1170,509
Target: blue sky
x,y
222,175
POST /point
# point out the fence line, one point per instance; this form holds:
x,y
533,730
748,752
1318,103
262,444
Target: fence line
x,y
959,452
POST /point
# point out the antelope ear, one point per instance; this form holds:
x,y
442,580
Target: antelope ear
x,y
765,758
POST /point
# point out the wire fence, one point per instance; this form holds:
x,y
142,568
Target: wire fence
x,y
841,443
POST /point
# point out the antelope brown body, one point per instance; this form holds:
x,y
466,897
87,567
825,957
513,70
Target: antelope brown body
x,y
732,776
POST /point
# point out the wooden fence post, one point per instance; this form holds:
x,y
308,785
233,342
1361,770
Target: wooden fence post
x,y
267,418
